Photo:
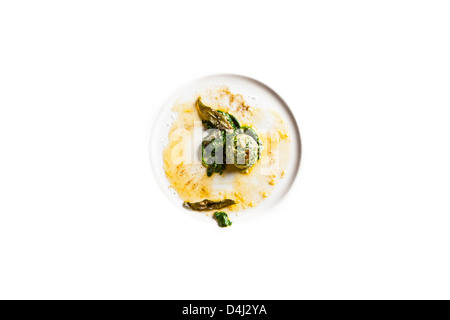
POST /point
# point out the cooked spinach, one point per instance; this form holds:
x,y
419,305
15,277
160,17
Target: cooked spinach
x,y
222,219
215,168
213,152
231,119
206,204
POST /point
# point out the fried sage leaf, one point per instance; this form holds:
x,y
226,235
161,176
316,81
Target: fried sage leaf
x,y
222,219
218,119
206,204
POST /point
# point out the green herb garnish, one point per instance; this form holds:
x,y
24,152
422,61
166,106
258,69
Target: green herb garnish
x,y
222,219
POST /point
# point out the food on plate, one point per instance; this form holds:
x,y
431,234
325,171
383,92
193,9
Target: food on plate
x,y
206,205
227,142
222,219
214,118
225,148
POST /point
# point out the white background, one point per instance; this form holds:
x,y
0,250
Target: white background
x,y
82,217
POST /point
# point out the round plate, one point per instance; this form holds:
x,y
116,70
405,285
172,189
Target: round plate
x,y
254,92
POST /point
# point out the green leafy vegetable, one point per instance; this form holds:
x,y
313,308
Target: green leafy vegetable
x,y
231,119
206,204
222,219
213,152
215,168
234,121
218,119
208,125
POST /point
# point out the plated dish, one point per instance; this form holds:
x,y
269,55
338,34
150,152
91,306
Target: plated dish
x,y
225,151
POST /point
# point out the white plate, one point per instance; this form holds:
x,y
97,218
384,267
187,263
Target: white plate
x,y
254,92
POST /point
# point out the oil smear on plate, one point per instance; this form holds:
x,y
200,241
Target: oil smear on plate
x,y
182,155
